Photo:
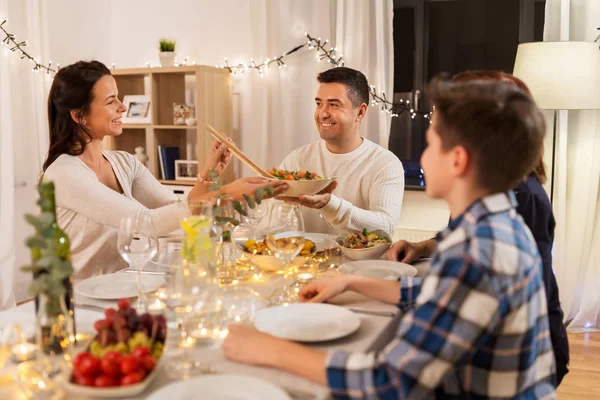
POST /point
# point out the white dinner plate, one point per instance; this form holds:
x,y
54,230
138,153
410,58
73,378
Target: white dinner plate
x,y
380,269
307,322
220,387
116,286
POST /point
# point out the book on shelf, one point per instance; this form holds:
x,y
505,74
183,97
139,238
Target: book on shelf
x,y
167,156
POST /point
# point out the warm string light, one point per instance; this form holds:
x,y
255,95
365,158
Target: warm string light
x,y
13,46
330,54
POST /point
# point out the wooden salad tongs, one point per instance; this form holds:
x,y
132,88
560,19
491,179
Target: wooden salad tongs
x,y
238,153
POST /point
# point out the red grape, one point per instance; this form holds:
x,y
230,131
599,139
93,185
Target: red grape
x,y
105,381
132,378
124,304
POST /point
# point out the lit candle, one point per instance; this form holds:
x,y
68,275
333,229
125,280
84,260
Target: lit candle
x,y
305,277
157,307
23,352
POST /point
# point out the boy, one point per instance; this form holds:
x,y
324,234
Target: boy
x,y
477,326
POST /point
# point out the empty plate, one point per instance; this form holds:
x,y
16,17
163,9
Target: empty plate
x,y
379,269
307,322
116,286
220,387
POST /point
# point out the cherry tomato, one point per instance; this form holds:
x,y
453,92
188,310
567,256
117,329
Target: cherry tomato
x,y
132,378
148,363
129,364
105,381
110,313
89,366
140,352
79,357
83,380
111,367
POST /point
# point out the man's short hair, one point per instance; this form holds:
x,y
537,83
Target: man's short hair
x,y
356,81
499,125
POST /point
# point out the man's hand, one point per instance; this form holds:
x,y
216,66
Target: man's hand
x,y
408,252
317,201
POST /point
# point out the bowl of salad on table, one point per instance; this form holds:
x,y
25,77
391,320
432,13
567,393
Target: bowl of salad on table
x,y
365,245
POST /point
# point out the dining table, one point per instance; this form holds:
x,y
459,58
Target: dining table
x,y
378,325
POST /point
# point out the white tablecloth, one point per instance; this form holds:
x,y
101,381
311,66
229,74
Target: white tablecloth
x,y
371,327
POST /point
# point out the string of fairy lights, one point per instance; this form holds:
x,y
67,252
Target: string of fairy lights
x,y
324,52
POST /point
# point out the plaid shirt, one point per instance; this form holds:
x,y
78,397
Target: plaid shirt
x,y
476,327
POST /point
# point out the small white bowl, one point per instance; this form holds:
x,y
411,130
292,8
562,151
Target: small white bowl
x,y
370,253
298,188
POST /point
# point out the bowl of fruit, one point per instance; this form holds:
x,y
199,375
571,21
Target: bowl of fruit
x,y
301,181
122,358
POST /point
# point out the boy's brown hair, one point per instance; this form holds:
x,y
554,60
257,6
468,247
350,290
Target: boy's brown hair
x,y
499,125
539,171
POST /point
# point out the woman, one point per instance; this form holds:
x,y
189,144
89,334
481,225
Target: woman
x,y
95,188
536,211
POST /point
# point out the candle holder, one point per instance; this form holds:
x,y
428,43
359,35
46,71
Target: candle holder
x,y
23,351
37,380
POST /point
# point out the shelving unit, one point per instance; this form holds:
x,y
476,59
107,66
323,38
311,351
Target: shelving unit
x,y
208,88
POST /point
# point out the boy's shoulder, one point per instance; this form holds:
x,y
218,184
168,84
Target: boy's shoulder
x,y
500,243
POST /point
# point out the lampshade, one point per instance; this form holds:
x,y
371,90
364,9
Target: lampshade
x,y
561,75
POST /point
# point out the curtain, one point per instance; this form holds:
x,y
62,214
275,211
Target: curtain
x,y
281,105
24,141
576,197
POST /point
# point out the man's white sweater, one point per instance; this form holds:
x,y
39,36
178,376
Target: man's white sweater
x,y
369,192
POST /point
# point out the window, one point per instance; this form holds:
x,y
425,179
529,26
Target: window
x,y
435,36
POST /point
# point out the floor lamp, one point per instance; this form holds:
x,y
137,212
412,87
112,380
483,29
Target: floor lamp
x,y
561,76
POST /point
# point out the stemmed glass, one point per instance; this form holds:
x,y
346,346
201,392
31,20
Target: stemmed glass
x,y
190,288
286,240
137,244
254,216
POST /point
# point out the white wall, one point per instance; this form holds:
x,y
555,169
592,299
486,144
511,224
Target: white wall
x,y
127,33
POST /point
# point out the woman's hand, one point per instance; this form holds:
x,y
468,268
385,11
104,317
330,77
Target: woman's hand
x,y
217,160
322,290
248,186
246,345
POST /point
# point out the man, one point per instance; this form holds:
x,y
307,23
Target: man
x,y
370,179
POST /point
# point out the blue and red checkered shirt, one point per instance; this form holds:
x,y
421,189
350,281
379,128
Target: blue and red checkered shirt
x,y
475,327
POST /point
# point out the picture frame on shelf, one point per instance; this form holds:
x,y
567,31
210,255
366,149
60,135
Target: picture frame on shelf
x,y
138,109
186,170
184,114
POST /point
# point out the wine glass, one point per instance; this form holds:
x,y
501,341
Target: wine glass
x,y
254,216
189,289
137,244
286,240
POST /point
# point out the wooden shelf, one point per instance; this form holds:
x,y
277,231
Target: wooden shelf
x,y
208,88
174,182
182,127
136,126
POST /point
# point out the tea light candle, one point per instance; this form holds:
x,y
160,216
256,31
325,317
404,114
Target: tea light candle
x,y
157,307
305,277
23,352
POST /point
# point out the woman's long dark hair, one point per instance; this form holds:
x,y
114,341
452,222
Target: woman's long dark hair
x,y
71,90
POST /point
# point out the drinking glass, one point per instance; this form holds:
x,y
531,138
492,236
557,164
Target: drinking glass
x,y
286,240
137,244
188,290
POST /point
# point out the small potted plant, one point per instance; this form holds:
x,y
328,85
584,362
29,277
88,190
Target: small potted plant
x,y
167,52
